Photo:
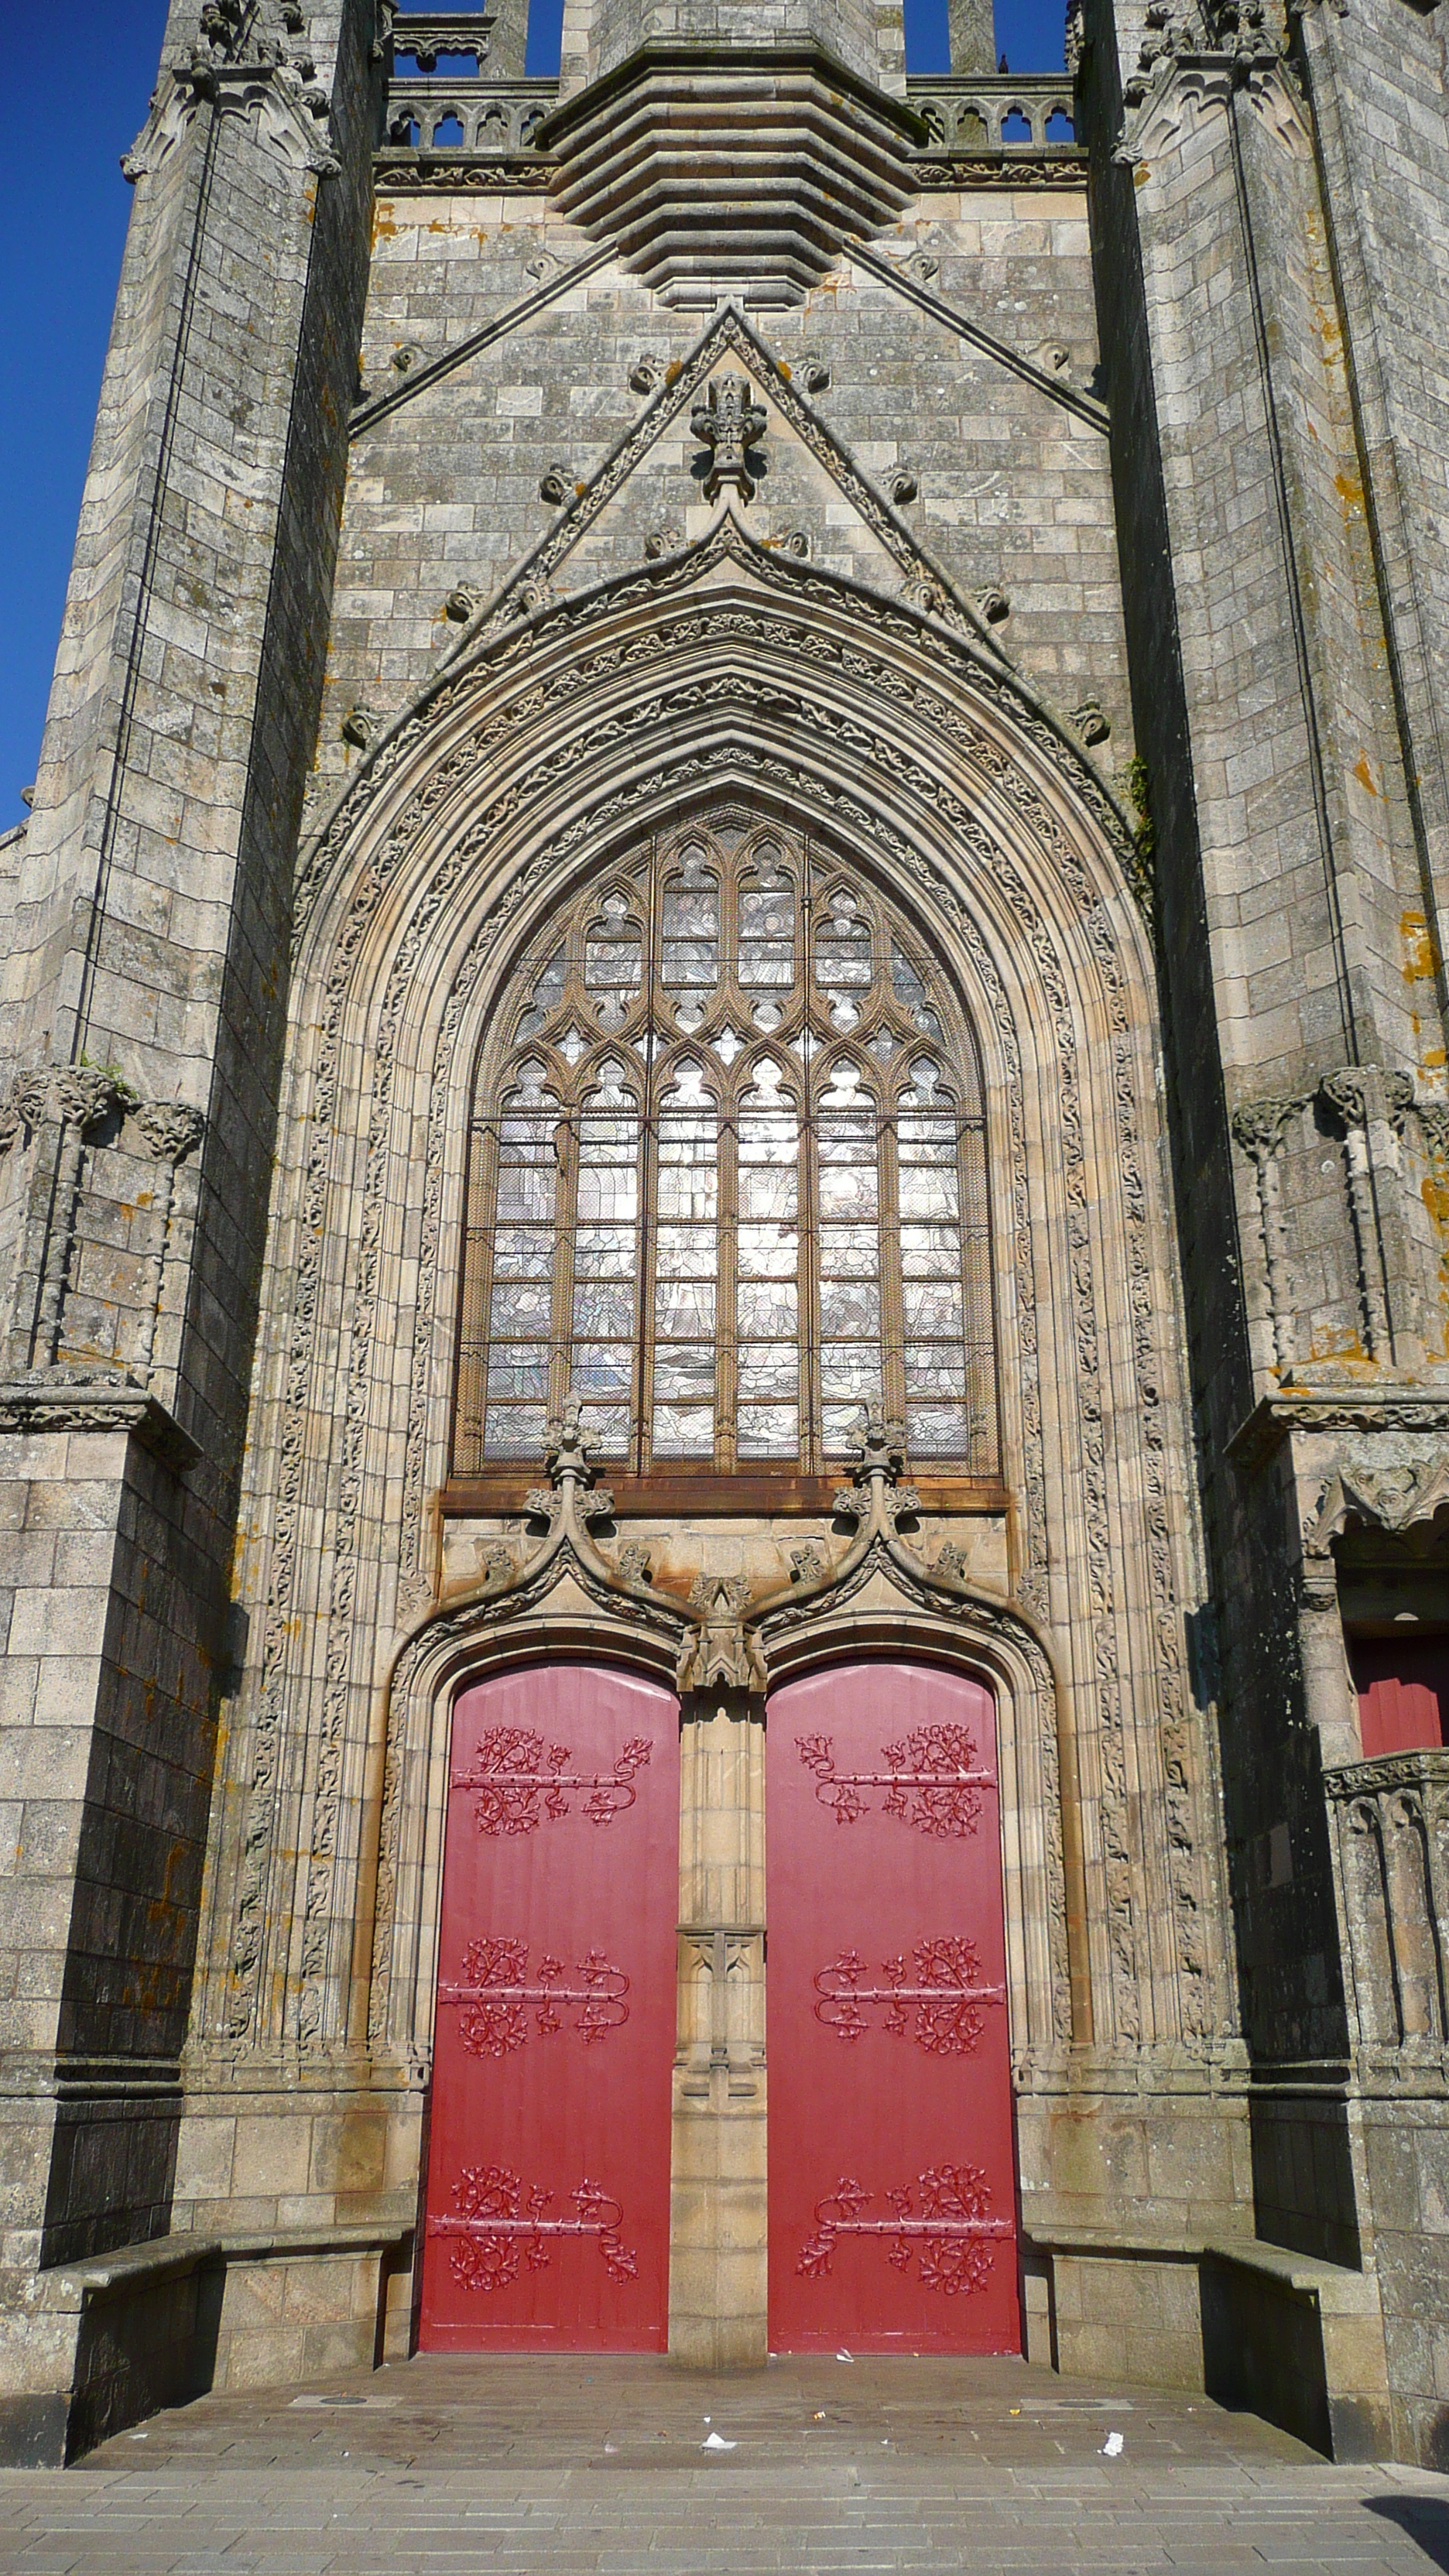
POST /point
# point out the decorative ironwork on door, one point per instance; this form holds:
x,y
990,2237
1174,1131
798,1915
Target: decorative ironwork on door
x,y
892,2178
548,2173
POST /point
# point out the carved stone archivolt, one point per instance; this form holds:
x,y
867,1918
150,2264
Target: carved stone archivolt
x,y
551,745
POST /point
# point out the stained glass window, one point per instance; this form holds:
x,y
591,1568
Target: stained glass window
x,y
727,1175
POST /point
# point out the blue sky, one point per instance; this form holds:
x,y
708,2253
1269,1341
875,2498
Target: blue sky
x,y
63,210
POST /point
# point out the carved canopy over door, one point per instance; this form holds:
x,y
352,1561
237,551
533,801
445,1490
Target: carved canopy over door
x,y
727,1173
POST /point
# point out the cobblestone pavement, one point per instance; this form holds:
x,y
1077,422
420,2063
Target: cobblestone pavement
x,y
596,2468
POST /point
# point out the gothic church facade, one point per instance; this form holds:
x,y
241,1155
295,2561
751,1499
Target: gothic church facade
x,y
725,1211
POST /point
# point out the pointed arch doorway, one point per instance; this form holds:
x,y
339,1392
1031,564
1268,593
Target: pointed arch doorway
x,y
892,2184
547,2226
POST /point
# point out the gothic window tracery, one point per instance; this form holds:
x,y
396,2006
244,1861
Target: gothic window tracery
x,y
727,1175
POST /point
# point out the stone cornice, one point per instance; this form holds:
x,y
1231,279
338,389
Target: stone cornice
x,y
1426,1769
64,1399
1375,1402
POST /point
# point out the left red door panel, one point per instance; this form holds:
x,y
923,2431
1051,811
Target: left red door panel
x,y
548,2167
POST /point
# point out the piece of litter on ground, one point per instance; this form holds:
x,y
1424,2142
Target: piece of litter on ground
x,y
1112,2447
138,2437
845,2356
713,2442
819,2416
314,2402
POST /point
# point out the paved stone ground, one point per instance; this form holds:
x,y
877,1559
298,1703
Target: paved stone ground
x,y
595,2468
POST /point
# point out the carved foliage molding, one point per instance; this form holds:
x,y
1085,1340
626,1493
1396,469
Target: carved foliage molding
x,y
933,712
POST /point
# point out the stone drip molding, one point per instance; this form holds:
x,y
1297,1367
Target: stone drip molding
x,y
864,661
682,393
918,291
504,644
249,60
373,408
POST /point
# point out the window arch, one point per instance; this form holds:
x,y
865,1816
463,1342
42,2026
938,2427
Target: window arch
x,y
727,1175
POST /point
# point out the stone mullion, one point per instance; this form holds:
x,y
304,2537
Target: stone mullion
x,y
888,1238
568,1155
718,2266
727,1393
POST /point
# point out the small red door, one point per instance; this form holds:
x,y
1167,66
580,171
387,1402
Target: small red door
x,y
548,2168
892,2167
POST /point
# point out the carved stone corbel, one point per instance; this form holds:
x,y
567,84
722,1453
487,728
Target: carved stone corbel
x,y
722,1658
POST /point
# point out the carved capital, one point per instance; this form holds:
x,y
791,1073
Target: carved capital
x,y
1359,1093
1433,1117
1258,1125
172,1128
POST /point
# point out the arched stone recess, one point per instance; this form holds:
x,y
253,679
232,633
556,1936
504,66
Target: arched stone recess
x,y
517,773
566,1599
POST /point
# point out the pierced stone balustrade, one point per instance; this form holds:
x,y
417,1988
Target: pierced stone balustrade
x,y
495,118
986,115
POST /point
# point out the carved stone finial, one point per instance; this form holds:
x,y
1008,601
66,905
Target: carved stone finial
x,y
729,424
903,484
358,726
557,485
566,1451
879,1445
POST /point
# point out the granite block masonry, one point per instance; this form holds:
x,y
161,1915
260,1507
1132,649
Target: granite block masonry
x,y
739,607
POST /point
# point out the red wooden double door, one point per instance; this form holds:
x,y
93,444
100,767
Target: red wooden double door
x,y
892,2194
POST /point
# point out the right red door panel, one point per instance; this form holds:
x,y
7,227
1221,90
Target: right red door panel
x,y
892,2168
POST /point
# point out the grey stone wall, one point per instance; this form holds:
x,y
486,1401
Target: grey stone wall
x,y
147,937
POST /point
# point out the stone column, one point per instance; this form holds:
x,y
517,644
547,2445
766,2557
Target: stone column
x,y
718,2270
